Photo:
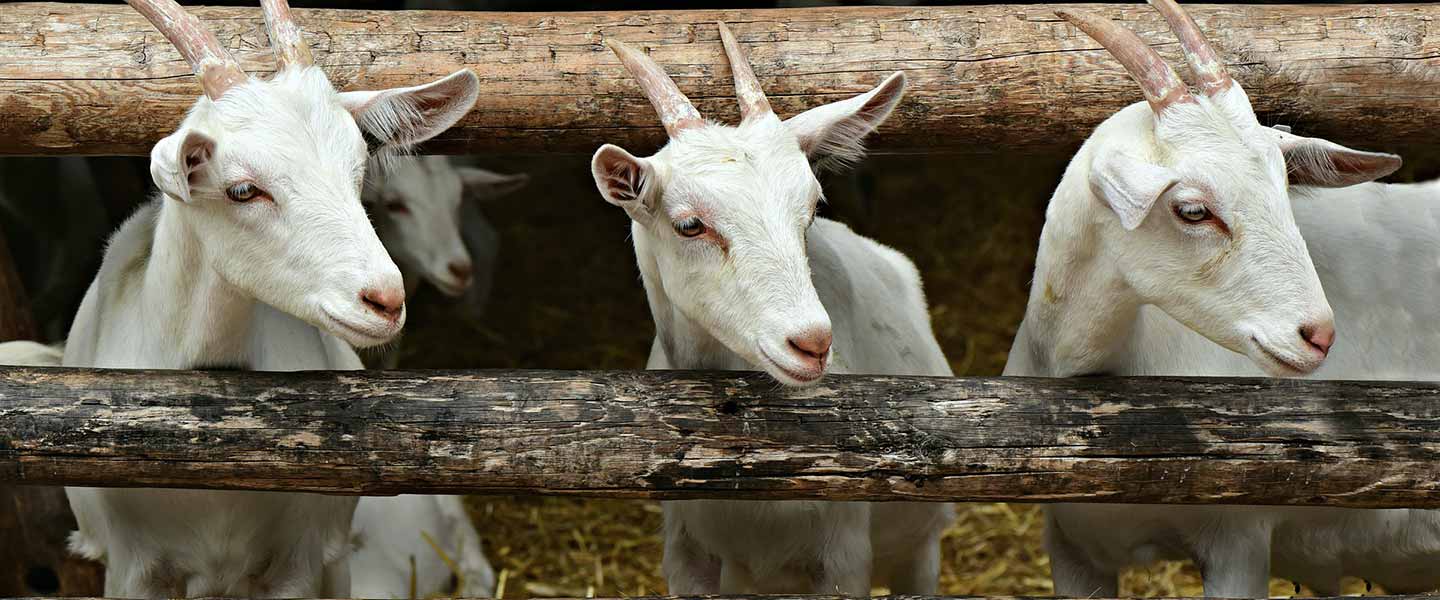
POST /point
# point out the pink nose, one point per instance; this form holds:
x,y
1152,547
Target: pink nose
x,y
461,270
1321,336
813,344
386,302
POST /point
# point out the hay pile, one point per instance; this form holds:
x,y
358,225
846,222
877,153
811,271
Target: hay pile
x,y
567,296
565,547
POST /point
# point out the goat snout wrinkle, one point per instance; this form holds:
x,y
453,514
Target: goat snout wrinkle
x,y
386,302
1320,336
461,270
814,344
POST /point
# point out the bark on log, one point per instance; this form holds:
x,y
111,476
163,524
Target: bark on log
x,y
728,435
35,521
85,79
887,597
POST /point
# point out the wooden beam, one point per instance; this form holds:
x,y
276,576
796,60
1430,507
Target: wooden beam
x,y
35,521
907,597
728,435
86,79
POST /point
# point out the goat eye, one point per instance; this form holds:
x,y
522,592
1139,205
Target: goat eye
x,y
690,227
398,208
1193,213
244,192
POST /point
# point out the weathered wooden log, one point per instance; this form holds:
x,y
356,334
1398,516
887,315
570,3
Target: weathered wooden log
x,y
891,597
35,521
728,435
91,79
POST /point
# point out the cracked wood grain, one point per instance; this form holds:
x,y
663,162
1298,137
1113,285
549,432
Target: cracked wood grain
x,y
886,597
728,435
86,79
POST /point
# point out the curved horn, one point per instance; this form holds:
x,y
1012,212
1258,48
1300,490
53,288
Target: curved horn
x,y
286,38
747,88
675,110
210,62
1162,87
1209,70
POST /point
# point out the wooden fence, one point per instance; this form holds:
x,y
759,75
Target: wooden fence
x,y
677,434
89,79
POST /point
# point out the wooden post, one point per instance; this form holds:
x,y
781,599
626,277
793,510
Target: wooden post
x,y
35,521
92,79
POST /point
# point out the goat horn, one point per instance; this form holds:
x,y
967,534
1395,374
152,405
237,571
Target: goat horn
x,y
210,62
1209,70
1162,87
286,38
675,110
747,88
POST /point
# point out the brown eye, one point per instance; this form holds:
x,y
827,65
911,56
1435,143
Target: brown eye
x,y
398,208
244,192
690,227
1193,213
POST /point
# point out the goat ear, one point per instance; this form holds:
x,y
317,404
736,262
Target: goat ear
x,y
179,162
1323,163
834,131
1129,187
482,184
403,117
624,180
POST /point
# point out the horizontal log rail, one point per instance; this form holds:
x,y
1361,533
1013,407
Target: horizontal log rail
x,y
87,79
728,435
886,597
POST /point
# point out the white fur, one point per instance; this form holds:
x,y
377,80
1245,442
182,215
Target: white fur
x,y
31,354
416,204
764,271
196,280
391,532
1109,299
1250,291
1386,331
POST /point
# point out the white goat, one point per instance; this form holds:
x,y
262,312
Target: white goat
x,y
257,254
403,536
1383,313
416,204
1177,210
741,275
31,354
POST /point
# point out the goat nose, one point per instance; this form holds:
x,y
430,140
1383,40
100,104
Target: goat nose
x,y
388,302
461,270
1320,335
814,343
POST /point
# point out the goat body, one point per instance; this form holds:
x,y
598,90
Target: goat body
x,y
1386,317
185,543
402,536
881,325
